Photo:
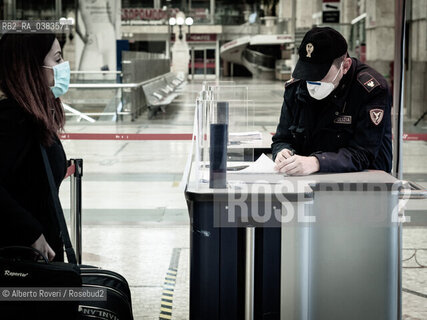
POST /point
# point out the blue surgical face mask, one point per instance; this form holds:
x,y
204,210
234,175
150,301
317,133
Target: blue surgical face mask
x,y
61,75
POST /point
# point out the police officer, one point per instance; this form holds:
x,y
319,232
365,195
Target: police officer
x,y
336,113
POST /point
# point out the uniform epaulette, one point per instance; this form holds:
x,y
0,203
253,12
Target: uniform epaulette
x,y
367,81
290,81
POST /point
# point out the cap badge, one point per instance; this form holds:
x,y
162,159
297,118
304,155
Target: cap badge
x,y
309,48
376,116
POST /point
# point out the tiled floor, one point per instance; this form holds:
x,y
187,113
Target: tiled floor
x,y
135,214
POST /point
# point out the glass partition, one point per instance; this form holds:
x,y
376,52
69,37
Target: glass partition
x,y
95,96
223,109
414,148
109,96
95,77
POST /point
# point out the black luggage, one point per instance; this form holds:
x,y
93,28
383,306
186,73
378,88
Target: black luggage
x,y
19,271
118,305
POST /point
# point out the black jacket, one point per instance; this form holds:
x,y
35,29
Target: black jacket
x,y
26,209
350,130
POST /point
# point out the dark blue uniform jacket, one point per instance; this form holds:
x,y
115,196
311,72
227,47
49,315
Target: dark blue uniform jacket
x,y
350,130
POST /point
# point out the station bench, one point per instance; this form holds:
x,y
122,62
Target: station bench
x,y
162,91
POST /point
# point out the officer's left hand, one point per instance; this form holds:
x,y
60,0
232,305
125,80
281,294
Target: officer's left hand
x,y
298,165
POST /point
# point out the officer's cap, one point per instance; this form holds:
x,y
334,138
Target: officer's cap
x,y
319,48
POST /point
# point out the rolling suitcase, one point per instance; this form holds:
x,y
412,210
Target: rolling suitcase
x,y
118,305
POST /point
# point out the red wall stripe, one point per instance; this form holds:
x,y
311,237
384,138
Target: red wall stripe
x,y
415,136
176,136
126,136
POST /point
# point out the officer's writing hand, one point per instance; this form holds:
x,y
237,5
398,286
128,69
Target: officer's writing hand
x,y
282,155
298,165
42,245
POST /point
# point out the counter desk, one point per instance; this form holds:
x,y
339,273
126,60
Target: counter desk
x,y
269,246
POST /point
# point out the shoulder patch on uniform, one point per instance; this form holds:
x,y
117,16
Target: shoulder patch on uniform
x,y
290,81
367,81
376,115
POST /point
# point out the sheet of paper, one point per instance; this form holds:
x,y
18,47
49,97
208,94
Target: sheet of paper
x,y
262,165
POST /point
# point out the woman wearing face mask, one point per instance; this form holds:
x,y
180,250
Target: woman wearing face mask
x,y
33,75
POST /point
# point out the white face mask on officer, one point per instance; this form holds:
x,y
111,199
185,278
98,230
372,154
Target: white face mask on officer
x,y
320,90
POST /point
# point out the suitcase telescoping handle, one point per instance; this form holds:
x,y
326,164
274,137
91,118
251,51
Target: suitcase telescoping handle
x,y
76,206
71,255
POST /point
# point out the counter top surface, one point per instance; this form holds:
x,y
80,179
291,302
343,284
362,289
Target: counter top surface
x,y
276,182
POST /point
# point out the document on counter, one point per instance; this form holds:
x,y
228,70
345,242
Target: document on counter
x,y
259,172
262,165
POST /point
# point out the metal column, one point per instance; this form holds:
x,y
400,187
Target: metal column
x,y
192,63
294,24
204,62
250,273
76,208
11,10
212,5
398,87
217,59
58,8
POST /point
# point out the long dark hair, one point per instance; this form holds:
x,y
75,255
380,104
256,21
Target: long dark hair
x,y
23,80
